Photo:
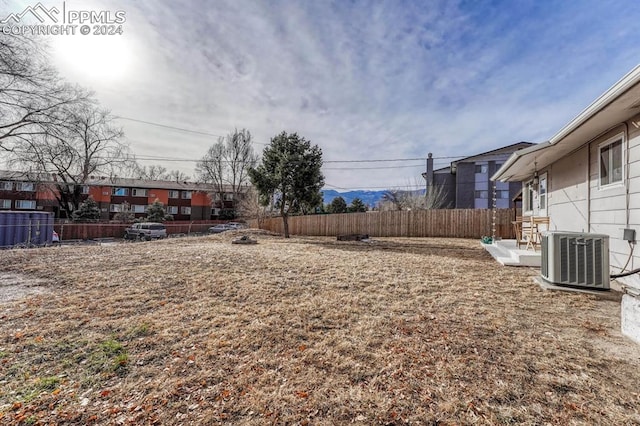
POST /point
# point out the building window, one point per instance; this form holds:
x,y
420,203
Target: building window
x,y
186,195
172,209
137,192
185,210
174,194
611,160
137,208
26,204
120,192
527,195
228,196
115,208
25,186
6,186
542,193
481,168
482,194
85,189
502,194
5,204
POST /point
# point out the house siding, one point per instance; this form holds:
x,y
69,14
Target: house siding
x,y
447,182
577,203
567,192
608,206
633,168
466,185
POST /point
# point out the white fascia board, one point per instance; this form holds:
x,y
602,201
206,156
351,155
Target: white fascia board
x,y
625,83
513,159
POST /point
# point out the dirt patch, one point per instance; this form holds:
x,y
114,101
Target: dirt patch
x,y
306,331
18,286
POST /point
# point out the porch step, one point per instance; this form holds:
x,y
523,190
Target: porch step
x,y
507,253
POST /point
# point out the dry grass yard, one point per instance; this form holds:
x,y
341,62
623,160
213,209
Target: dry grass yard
x,y
303,331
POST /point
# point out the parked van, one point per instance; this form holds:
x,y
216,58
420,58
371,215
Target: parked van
x,y
145,231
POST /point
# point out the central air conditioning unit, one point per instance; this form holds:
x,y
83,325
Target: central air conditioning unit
x,y
575,259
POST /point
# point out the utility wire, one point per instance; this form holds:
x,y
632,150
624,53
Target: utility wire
x,y
166,126
200,132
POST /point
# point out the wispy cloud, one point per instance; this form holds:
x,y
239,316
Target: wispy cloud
x,y
384,79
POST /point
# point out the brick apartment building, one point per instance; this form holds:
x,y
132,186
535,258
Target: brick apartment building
x,y
183,200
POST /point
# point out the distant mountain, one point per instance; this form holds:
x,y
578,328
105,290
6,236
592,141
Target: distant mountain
x,y
369,198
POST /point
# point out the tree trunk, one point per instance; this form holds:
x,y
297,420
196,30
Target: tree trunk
x,y
285,222
285,215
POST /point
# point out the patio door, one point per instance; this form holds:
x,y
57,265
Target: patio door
x,y
542,195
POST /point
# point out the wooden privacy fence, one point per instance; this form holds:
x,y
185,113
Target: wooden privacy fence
x,y
458,223
89,231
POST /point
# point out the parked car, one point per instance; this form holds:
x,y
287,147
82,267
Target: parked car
x,y
145,231
222,227
237,225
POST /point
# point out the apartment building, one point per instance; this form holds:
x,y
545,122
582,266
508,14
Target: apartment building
x,y
466,182
183,200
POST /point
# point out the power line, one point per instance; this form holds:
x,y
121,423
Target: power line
x,y
372,168
166,126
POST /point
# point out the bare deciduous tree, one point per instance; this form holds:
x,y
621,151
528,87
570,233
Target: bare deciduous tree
x,y
249,207
407,199
157,172
33,99
88,143
227,162
153,172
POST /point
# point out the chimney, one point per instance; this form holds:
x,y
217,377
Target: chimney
x,y
429,174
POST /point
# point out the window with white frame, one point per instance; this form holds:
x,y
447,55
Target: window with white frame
x,y
138,208
139,192
172,209
228,196
611,161
482,194
174,194
5,204
85,189
542,193
26,204
115,208
120,192
186,195
527,197
6,186
185,210
25,186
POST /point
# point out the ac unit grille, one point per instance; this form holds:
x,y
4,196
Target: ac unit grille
x,y
575,259
544,264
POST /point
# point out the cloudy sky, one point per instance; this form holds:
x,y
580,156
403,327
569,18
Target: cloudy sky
x,y
365,80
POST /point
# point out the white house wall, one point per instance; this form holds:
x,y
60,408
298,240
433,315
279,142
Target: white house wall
x,y
611,210
577,203
567,192
634,193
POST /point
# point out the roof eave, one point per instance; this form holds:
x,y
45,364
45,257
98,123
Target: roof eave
x,y
625,83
